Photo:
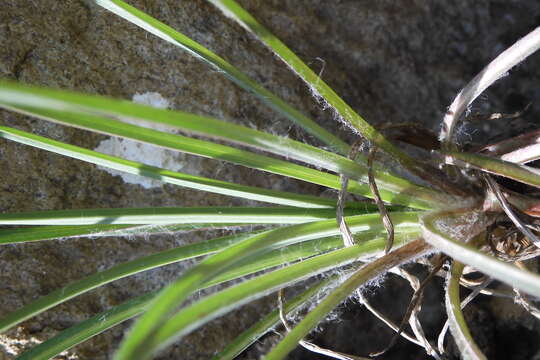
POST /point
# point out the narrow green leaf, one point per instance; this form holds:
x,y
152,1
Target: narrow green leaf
x,y
178,143
518,172
339,294
171,177
292,253
116,272
458,327
112,109
210,307
172,36
243,267
164,216
367,224
136,343
68,109
165,32
409,196
103,321
35,233
24,96
87,329
315,83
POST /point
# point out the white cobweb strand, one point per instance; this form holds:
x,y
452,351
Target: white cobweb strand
x,y
491,73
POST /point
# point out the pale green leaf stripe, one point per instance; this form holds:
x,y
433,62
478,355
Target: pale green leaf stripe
x,y
236,12
518,172
136,343
68,109
172,36
101,322
458,326
465,253
12,236
339,294
197,314
264,325
171,215
171,177
38,233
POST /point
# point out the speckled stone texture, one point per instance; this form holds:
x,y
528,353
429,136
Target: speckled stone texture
x,y
393,61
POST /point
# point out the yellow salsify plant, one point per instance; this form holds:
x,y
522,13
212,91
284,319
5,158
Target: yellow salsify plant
x,y
449,219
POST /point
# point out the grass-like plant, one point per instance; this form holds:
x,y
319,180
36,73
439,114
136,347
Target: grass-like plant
x,y
442,220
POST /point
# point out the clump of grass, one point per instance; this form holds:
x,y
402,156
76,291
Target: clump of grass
x,y
446,222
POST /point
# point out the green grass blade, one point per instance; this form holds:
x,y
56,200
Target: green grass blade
x,y
38,233
316,84
300,251
103,321
68,109
87,329
172,36
465,253
171,177
338,295
458,326
116,272
197,314
518,172
267,323
409,197
365,223
242,267
112,109
178,143
164,216
137,341
284,256
18,235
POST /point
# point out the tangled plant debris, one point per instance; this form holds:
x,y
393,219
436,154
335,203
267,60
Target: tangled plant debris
x,y
460,218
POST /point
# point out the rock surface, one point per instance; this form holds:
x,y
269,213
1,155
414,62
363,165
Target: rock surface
x,y
393,61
